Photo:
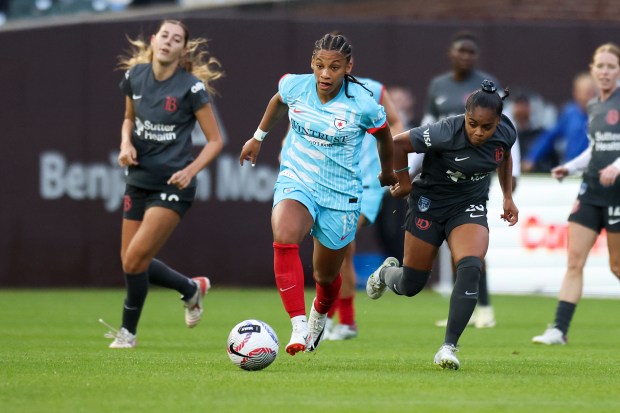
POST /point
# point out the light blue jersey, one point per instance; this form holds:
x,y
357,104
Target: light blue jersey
x,y
323,147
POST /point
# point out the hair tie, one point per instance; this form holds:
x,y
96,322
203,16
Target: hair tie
x,y
488,86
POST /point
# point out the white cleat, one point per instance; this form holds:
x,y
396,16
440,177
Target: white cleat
x,y
484,317
342,332
552,335
446,359
299,338
193,306
316,328
122,338
374,286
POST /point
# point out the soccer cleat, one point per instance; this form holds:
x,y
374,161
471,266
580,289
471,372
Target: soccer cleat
x,y
342,332
552,335
484,317
374,286
446,359
299,338
316,328
193,306
122,338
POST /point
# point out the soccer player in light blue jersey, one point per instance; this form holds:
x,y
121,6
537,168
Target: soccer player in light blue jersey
x,y
319,186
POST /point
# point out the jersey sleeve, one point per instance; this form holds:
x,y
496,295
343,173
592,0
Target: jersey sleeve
x,y
125,84
284,87
375,118
198,95
434,136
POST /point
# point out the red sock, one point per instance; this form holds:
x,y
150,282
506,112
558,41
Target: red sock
x,y
327,295
289,277
347,312
332,310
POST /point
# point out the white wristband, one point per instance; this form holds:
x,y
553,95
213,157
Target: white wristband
x,y
259,135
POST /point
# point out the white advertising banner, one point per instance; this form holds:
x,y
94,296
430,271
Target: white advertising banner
x,y
531,256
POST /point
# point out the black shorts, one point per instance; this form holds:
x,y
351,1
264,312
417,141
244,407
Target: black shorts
x,y
596,217
138,200
436,231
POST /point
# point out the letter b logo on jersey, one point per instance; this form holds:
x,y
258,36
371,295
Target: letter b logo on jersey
x,y
171,104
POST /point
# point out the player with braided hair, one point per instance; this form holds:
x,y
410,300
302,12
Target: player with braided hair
x,y
319,187
448,202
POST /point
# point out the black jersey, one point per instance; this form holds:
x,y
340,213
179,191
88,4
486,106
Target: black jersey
x,y
456,173
164,119
604,136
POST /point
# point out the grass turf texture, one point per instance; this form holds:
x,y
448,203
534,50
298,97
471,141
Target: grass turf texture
x,y
54,358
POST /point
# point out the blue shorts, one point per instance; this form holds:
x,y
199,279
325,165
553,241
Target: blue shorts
x,y
371,203
333,228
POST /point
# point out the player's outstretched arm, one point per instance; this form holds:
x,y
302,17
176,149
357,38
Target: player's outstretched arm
x,y
275,110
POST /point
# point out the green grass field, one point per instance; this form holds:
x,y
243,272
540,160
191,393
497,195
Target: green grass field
x,y
54,358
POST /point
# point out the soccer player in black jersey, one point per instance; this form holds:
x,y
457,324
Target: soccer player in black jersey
x,y
598,204
448,202
447,93
167,85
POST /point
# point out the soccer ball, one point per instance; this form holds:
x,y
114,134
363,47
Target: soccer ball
x,y
252,345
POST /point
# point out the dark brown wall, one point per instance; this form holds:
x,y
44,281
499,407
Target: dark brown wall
x,y
61,102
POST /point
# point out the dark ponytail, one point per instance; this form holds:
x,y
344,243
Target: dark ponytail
x,y
487,97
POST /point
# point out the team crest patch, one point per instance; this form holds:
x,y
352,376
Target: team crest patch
x,y
424,204
340,123
499,154
171,104
612,117
126,203
422,223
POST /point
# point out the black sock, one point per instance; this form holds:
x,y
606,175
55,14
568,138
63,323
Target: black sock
x,y
483,291
164,276
405,280
137,288
564,315
464,297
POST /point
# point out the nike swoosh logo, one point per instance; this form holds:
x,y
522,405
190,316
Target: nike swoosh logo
x,y
236,353
136,97
288,288
441,99
613,221
476,215
460,159
468,293
297,111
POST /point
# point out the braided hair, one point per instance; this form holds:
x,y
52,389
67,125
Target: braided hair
x,y
487,97
340,44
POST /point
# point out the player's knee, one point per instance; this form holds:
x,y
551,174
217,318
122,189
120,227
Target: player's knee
x,y
133,264
412,281
469,267
468,272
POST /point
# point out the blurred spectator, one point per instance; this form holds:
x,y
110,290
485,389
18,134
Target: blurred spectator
x,y
520,112
568,137
405,102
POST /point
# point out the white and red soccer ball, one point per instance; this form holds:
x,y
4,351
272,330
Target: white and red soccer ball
x,y
252,345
